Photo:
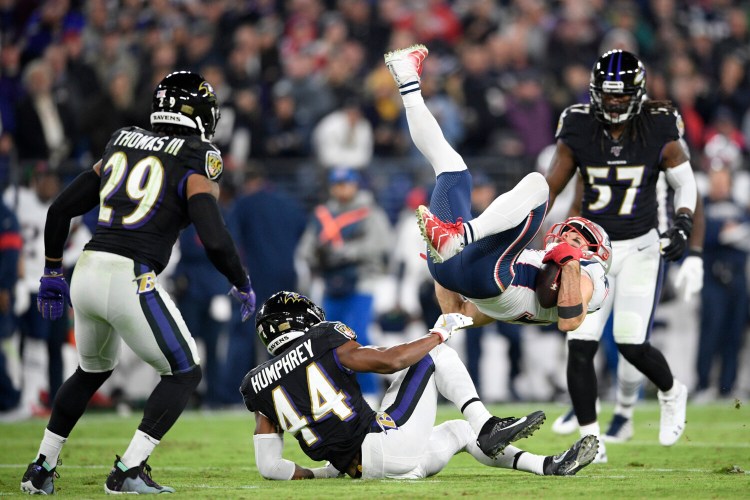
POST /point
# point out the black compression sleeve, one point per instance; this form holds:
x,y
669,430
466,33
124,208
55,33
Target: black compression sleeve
x,y
205,214
79,197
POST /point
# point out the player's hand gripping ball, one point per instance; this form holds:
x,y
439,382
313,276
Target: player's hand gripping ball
x,y
548,284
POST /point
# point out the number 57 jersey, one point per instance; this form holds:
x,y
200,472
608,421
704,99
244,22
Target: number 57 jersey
x,y
142,195
620,176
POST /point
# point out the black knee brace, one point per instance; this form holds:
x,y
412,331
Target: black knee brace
x,y
72,399
581,374
649,361
167,401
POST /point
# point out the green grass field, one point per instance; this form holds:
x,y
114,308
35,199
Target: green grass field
x,y
210,455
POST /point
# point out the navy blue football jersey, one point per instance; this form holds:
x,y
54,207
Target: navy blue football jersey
x,y
143,202
308,393
619,177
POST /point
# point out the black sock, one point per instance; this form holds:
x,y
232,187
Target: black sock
x,y
167,401
72,398
582,384
649,361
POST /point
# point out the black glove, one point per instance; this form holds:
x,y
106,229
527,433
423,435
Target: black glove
x,y
678,236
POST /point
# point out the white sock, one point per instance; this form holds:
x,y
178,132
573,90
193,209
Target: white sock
x,y
629,381
140,448
672,393
510,209
454,383
51,447
428,138
516,458
624,410
590,430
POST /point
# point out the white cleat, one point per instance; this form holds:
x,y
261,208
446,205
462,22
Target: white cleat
x,y
565,424
620,429
406,65
673,415
601,454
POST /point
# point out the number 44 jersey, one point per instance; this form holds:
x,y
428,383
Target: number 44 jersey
x,y
619,176
308,393
143,192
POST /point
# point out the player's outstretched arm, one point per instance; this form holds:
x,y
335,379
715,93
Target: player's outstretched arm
x,y
561,170
395,358
271,465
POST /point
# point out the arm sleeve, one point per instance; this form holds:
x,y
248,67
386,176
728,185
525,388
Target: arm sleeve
x,y
220,249
79,197
681,178
268,459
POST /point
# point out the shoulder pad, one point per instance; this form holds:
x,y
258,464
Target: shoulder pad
x,y
574,110
340,328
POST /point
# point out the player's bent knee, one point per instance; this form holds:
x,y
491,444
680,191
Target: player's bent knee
x,y
190,379
581,351
633,351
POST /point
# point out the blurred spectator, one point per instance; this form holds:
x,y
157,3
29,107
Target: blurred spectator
x,y
10,248
732,92
267,224
113,109
46,25
406,264
346,243
45,125
724,298
344,137
481,19
41,340
482,99
529,114
383,111
285,136
313,99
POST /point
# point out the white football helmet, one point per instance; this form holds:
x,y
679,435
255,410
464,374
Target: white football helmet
x,y
599,247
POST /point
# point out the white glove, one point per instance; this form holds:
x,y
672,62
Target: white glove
x,y
447,324
689,279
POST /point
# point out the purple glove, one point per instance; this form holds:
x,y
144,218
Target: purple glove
x,y
53,294
246,297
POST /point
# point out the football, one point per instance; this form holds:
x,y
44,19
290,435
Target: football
x,y
548,284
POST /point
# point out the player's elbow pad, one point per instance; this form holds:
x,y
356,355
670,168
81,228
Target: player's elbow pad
x,y
268,448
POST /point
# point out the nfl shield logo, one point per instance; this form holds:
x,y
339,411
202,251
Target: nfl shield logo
x,y
214,165
616,150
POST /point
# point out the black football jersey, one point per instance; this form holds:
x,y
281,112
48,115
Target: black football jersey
x,y
308,393
619,177
143,203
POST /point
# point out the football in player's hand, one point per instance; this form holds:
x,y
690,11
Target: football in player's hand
x,y
548,284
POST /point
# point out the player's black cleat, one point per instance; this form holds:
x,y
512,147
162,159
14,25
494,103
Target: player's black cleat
x,y
135,480
497,433
38,478
571,461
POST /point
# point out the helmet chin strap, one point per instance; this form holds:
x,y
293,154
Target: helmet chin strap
x,y
202,129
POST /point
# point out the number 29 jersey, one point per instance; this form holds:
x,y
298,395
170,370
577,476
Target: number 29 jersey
x,y
143,199
619,177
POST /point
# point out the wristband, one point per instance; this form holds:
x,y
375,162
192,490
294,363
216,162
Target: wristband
x,y
568,312
695,251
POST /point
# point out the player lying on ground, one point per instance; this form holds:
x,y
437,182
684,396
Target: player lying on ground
x,y
309,389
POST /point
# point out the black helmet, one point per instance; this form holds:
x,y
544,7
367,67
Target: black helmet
x,y
284,317
617,72
186,99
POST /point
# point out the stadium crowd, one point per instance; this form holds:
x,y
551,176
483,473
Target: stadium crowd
x,y
304,94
